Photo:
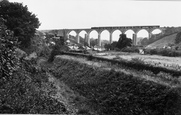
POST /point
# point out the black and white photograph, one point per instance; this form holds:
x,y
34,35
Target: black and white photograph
x,y
90,57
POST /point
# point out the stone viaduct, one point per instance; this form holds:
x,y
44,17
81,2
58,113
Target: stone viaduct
x,y
99,30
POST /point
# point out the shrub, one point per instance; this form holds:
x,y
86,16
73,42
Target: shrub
x,y
22,93
131,49
18,96
8,58
38,45
90,57
58,48
163,52
153,51
45,52
53,53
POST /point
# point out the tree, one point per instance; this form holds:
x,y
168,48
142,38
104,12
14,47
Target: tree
x,y
58,48
123,41
93,42
113,45
107,47
19,20
4,1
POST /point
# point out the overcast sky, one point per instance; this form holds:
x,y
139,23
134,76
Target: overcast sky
x,y
62,14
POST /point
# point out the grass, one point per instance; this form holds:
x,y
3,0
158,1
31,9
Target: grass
x,y
131,64
163,41
111,92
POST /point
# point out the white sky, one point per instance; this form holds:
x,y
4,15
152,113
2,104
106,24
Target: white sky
x,y
66,14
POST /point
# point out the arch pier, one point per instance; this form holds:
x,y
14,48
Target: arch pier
x,y
99,30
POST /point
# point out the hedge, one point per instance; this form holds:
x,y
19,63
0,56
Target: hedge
x,y
163,52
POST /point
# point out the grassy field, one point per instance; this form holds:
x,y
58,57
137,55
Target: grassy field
x,y
107,89
163,42
162,61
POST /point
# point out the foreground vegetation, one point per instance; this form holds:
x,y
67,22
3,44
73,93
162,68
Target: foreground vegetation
x,y
118,87
112,92
21,79
23,94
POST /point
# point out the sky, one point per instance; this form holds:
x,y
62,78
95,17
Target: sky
x,y
69,14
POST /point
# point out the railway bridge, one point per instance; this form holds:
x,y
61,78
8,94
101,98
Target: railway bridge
x,y
99,30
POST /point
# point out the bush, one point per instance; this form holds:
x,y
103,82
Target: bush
x,y
90,57
18,96
131,49
53,53
8,59
153,51
45,52
163,52
38,45
58,48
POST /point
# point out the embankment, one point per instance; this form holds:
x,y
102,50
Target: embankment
x,y
112,92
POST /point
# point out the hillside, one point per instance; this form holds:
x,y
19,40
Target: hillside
x,y
163,42
72,40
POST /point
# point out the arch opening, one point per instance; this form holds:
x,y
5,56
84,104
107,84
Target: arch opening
x,y
105,37
115,35
156,31
155,34
82,36
93,35
72,34
129,33
142,35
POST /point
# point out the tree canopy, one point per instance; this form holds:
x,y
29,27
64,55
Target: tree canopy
x,y
123,41
18,19
93,42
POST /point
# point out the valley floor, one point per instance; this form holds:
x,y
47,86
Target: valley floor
x,y
75,81
164,61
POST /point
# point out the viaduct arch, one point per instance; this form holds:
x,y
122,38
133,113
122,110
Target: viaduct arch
x,y
122,29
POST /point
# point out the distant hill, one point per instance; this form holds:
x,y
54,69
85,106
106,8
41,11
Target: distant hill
x,y
167,31
165,41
